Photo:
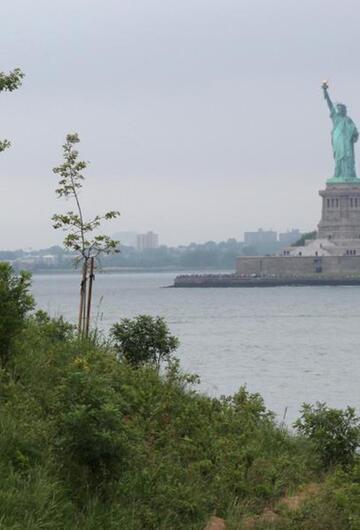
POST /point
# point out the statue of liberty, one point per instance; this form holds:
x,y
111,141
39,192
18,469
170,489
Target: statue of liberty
x,y
343,136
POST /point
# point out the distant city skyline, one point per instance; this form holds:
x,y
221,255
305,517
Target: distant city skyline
x,y
131,238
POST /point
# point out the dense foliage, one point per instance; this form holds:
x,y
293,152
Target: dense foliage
x,y
334,432
15,304
143,339
88,441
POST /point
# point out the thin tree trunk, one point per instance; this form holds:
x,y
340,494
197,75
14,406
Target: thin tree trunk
x,y
82,286
83,326
91,279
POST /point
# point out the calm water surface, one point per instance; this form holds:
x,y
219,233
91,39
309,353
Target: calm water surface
x,y
291,344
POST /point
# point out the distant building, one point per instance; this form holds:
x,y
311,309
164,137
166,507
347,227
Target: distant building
x,y
129,239
290,237
32,261
261,236
148,240
48,259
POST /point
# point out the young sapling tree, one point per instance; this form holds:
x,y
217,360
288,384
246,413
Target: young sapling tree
x,y
82,236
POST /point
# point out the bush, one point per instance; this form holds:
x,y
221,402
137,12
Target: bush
x,y
334,432
91,437
143,339
54,329
15,304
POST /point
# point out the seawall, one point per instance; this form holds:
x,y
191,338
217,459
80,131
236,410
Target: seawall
x,y
299,265
234,280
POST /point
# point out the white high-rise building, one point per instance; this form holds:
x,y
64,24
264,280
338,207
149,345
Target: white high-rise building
x,y
148,240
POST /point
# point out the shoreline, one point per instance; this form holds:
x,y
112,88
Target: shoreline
x,y
117,270
233,280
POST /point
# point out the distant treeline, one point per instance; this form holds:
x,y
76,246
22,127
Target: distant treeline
x,y
196,255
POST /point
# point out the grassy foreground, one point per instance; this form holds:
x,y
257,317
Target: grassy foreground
x,y
89,441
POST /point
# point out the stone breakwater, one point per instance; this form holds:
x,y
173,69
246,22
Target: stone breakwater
x,y
235,280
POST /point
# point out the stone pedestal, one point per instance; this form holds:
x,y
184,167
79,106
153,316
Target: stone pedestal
x,y
340,211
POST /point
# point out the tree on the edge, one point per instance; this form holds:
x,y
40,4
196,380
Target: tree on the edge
x,y
80,237
9,82
15,304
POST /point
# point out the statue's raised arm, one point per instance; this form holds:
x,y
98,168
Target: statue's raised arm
x,y
325,87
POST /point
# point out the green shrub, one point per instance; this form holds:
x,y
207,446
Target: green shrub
x,y
15,304
91,437
54,329
334,432
143,339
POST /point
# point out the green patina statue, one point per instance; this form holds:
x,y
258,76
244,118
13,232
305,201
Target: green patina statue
x,y
343,136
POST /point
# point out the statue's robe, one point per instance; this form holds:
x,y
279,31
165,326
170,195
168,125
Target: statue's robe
x,y
344,135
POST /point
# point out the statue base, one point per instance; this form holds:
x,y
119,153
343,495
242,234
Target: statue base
x,y
340,217
343,180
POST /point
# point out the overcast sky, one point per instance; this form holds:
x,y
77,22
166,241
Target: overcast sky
x,y
201,118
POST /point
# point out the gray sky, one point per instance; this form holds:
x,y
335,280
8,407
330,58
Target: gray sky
x,y
201,118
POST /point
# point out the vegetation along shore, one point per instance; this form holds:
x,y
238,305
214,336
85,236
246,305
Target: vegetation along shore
x,y
109,432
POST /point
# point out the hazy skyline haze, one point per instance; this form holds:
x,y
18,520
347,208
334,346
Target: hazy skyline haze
x,y
201,119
